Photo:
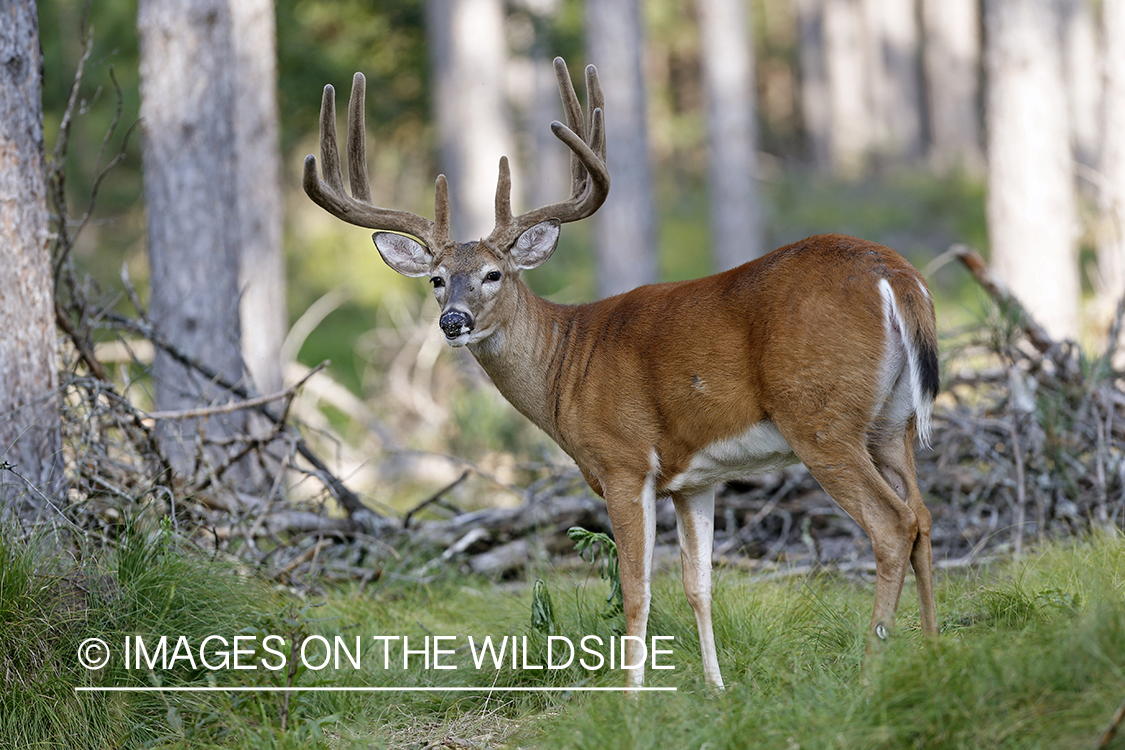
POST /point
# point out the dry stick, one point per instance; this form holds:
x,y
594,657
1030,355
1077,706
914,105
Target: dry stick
x,y
434,497
1036,334
1111,730
250,403
348,499
303,557
1021,489
85,353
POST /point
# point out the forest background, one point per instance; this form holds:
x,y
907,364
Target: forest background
x,y
930,126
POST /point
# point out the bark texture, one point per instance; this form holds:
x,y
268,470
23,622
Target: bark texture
x,y
951,56
728,76
264,315
625,227
1110,284
187,101
468,53
1031,206
30,439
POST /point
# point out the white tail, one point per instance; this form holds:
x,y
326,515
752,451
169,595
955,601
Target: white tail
x,y
823,352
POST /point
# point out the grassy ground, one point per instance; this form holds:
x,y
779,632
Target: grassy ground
x,y
1032,655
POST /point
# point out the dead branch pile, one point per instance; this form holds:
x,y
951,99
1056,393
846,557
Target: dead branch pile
x,y
1028,443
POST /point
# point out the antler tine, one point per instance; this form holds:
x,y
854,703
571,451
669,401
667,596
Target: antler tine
x,y
329,152
574,120
504,195
357,141
595,102
329,193
440,237
589,175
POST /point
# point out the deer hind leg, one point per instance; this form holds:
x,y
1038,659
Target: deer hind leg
x,y
695,527
895,460
848,473
632,513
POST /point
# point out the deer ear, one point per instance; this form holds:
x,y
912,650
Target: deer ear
x,y
536,244
404,254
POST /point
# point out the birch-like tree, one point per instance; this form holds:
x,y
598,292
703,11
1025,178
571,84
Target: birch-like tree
x,y
468,57
728,79
1110,282
30,441
190,188
1031,206
951,58
625,227
263,312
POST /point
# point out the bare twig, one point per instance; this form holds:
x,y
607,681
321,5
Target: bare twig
x,y
1036,333
437,496
233,406
1111,731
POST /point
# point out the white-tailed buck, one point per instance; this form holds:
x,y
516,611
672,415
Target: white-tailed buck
x,y
823,352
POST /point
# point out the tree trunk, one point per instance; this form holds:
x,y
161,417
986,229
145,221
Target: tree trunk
x,y
1031,206
728,76
816,114
625,227
263,312
30,439
851,125
894,83
187,104
951,56
1110,282
468,53
1083,80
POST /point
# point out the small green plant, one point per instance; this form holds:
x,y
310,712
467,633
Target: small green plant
x,y
599,550
542,611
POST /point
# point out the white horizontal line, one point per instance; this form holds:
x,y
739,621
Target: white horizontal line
x,y
321,689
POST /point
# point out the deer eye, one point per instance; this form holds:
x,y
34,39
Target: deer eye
x,y
493,276
438,282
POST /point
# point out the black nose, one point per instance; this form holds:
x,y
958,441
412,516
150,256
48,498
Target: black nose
x,y
454,323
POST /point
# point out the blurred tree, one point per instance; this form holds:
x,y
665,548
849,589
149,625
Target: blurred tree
x,y
836,97
29,415
1110,279
187,68
625,227
728,77
546,167
1030,206
469,55
263,317
1083,80
815,110
894,85
951,30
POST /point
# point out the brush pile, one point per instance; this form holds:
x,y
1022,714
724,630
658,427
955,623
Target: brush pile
x,y
1028,443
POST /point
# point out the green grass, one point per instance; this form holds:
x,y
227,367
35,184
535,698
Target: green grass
x,y
1032,655
50,604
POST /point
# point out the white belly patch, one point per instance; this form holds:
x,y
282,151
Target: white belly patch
x,y
760,449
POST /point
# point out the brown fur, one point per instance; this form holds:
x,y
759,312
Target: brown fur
x,y
795,337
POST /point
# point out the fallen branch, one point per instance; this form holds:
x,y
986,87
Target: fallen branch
x,y
353,506
436,497
1057,352
233,406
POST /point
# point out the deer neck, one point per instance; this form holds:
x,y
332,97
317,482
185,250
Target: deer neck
x,y
520,354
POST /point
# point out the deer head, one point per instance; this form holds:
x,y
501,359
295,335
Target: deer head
x,y
471,280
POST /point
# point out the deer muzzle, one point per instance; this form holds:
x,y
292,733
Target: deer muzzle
x,y
455,323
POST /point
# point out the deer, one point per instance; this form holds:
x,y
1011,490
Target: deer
x,y
822,352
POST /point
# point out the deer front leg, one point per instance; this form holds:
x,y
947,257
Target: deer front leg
x,y
695,527
632,513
